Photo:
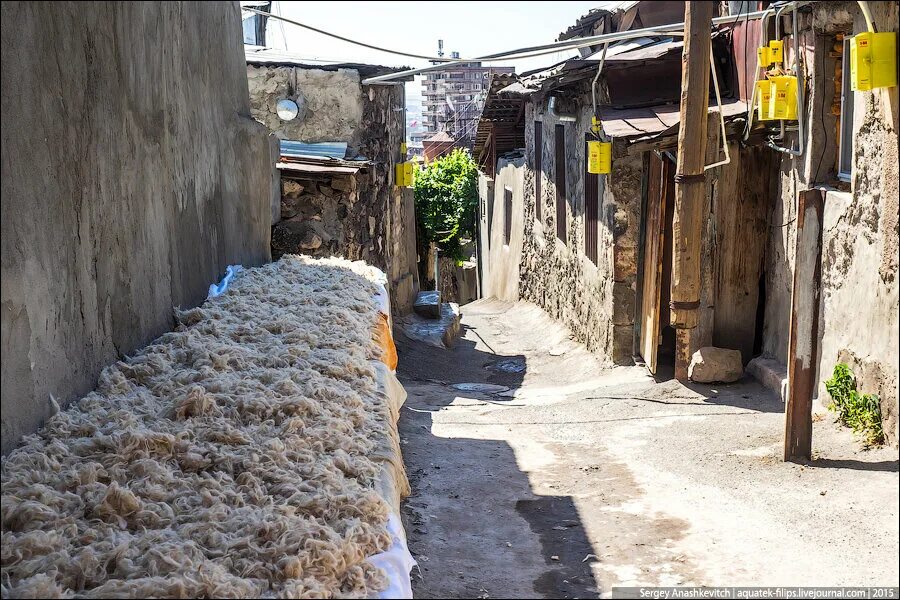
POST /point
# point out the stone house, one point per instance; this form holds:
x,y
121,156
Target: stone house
x,y
339,144
596,251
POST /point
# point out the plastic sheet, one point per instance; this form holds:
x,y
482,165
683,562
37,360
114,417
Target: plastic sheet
x,y
217,289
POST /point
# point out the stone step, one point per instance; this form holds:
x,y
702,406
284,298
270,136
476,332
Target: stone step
x,y
441,332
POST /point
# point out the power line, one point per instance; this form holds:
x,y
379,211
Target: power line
x,y
350,40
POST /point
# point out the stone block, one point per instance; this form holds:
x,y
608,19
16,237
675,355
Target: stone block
x,y
289,187
623,344
715,365
428,304
771,373
341,183
623,304
624,262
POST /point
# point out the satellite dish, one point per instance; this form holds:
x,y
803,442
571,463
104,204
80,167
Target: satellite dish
x,y
287,110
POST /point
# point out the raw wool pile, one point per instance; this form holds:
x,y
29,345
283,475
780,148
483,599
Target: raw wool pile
x,y
230,458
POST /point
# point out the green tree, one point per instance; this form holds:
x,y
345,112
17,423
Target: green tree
x,y
446,193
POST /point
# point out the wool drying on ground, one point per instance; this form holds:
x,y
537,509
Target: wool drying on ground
x,y
236,456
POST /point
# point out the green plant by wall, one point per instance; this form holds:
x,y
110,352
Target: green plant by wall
x,y
860,412
446,193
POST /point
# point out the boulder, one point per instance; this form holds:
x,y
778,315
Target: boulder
x,y
715,365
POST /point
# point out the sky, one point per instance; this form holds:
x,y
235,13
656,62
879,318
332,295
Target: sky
x,y
470,28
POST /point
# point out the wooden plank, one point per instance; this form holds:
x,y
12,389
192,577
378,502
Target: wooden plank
x,y
804,339
653,252
690,186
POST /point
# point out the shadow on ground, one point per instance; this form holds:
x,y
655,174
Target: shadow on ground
x,y
473,521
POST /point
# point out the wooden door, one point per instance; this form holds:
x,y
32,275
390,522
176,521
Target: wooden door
x,y
653,259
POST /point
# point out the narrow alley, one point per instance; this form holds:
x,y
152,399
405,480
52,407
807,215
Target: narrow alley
x,y
581,478
381,300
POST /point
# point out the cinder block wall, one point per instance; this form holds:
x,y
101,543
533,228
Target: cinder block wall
x,y
132,175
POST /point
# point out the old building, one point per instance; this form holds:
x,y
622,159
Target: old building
x,y
340,142
133,174
596,251
452,98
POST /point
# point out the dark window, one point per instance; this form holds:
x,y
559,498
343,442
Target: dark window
x,y
507,215
845,139
591,209
538,168
560,177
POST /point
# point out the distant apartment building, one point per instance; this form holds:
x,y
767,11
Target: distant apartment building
x,y
452,98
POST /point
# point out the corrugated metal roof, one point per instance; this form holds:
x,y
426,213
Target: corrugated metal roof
x,y
320,149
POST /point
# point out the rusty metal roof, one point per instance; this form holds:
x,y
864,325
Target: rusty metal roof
x,y
501,127
638,124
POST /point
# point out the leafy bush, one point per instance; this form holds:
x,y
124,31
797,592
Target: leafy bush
x,y
861,412
446,193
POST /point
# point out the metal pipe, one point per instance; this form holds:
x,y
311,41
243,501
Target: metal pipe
x,y
864,7
712,65
597,78
801,114
555,47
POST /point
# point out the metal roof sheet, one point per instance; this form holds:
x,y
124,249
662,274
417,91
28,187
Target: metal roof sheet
x,y
256,55
320,149
655,120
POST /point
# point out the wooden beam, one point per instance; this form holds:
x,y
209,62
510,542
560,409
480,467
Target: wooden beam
x,y
803,347
690,185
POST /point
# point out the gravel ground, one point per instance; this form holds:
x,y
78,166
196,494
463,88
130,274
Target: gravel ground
x,y
583,477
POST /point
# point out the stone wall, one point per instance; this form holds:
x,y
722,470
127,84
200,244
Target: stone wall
x,y
859,310
363,216
597,302
133,174
318,218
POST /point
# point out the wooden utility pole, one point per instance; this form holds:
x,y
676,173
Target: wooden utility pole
x,y
803,347
690,182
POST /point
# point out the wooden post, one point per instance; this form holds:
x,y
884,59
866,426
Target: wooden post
x,y
690,184
804,337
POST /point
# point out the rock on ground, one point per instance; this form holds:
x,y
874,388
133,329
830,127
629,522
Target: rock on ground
x,y
715,365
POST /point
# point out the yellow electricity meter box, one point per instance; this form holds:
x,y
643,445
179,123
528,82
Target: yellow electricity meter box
x,y
403,174
776,51
873,60
765,56
599,157
784,97
763,100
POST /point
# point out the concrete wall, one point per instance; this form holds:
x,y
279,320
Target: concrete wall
x,y
132,175
368,218
501,279
597,302
859,310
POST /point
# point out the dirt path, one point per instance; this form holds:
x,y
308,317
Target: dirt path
x,y
588,478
